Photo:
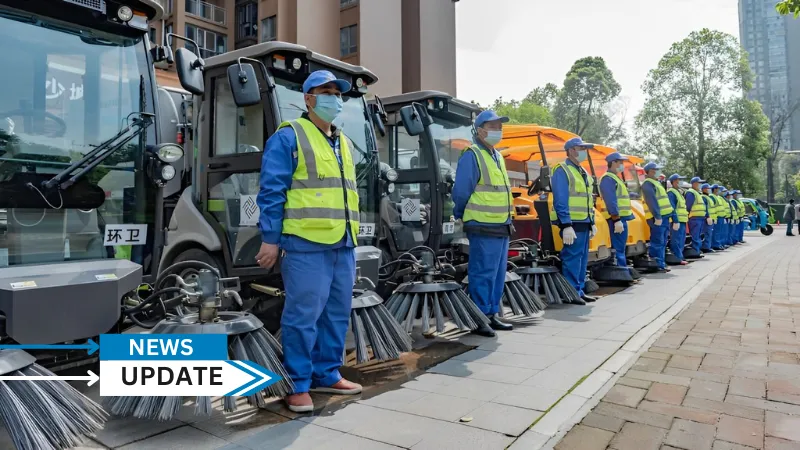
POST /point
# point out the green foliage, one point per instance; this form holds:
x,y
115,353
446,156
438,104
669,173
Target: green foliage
x,y
786,7
523,112
695,117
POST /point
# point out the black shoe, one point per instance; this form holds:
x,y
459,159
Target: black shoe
x,y
718,249
588,299
484,330
707,250
496,324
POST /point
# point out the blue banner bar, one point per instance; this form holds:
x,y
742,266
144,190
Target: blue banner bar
x,y
163,347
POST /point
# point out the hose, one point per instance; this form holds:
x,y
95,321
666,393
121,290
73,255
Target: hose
x,y
183,264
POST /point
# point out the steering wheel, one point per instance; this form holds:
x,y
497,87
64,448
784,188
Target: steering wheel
x,y
62,125
532,188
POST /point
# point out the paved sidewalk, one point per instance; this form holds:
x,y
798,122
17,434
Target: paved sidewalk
x,y
724,376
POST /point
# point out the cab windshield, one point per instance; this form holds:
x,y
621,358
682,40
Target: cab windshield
x,y
451,138
632,181
64,91
355,124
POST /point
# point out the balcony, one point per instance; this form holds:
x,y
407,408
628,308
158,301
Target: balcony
x,y
206,11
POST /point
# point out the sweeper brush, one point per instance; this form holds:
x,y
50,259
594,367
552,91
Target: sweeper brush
x,y
518,297
374,327
199,314
590,285
542,277
44,414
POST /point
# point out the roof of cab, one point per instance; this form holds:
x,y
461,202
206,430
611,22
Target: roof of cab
x,y
419,96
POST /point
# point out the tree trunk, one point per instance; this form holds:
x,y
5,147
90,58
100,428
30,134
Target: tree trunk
x,y
770,180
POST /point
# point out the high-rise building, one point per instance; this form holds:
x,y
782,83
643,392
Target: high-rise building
x,y
773,45
409,44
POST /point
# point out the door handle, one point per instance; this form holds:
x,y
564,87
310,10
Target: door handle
x,y
219,165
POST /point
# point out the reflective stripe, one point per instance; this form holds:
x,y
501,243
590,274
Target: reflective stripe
x,y
698,207
314,181
486,179
579,202
623,197
680,208
487,208
325,183
318,213
491,200
664,205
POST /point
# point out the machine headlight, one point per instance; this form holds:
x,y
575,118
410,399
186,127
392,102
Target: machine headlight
x,y
124,13
390,188
297,64
391,175
169,153
168,172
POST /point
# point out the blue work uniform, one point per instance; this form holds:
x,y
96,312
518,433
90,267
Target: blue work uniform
x,y
721,228
696,224
488,242
316,314
733,228
575,257
658,233
677,238
619,241
708,230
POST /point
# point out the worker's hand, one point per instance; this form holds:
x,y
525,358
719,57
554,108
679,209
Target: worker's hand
x,y
675,226
267,255
618,227
568,236
710,221
658,222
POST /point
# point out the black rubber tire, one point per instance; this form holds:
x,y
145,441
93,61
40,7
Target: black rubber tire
x,y
196,254
767,230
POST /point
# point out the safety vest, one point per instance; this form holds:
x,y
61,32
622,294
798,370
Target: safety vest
x,y
323,199
713,208
661,197
491,202
699,206
739,208
580,194
723,209
680,210
623,197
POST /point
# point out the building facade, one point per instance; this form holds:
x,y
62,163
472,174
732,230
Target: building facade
x,y
773,46
409,44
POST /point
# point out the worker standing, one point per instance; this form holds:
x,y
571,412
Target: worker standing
x,y
698,214
617,202
677,237
573,213
482,201
659,214
737,196
789,217
708,230
719,227
309,211
734,220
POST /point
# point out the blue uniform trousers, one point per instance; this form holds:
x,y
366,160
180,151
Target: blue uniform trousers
x,y
486,269
319,292
678,240
732,232
742,227
696,225
574,259
658,241
719,232
619,242
708,236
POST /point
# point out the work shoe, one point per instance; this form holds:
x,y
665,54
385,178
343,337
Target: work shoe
x,y
664,270
299,403
684,263
708,250
485,331
496,324
588,299
341,387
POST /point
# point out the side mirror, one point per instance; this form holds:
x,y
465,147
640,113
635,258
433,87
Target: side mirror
x,y
544,178
427,120
244,84
188,64
412,121
378,116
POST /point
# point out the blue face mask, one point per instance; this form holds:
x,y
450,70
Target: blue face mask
x,y
582,156
328,107
493,137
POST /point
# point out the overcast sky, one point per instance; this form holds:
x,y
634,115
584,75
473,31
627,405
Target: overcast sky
x,y
508,47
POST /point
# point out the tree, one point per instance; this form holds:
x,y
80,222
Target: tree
x,y
545,96
695,113
526,111
580,106
780,115
786,7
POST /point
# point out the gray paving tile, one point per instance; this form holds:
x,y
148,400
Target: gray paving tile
x,y
456,436
480,371
505,419
530,397
350,442
497,357
394,399
239,424
554,420
184,438
474,389
556,378
531,440
396,428
120,431
294,434
442,407
346,419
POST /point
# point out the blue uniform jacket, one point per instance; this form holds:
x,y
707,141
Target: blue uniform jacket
x,y
560,184
467,176
649,192
608,190
277,167
690,202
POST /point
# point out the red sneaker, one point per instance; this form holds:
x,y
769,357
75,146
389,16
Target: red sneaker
x,y
299,403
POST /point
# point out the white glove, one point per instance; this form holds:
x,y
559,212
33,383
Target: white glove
x,y
657,222
594,231
618,227
710,221
569,236
675,226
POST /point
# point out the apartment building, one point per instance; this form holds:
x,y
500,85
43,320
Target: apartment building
x,y
409,44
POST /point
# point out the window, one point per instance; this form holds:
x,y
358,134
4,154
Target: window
x,y
348,40
167,31
210,43
269,30
152,35
247,21
237,130
346,3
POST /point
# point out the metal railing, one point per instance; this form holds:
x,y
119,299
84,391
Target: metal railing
x,y
207,11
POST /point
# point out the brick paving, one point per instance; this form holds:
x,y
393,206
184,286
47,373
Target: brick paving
x,y
725,375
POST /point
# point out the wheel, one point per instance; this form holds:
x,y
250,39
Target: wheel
x,y
195,254
767,230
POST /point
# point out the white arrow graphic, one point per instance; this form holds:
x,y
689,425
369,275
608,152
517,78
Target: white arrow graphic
x,y
91,378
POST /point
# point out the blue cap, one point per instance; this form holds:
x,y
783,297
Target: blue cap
x,y
577,142
705,186
488,116
675,176
616,156
695,180
714,186
320,77
651,166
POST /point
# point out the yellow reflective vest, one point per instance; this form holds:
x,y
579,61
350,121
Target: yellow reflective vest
x,y
680,210
724,209
491,202
322,201
661,197
699,206
581,206
623,197
713,207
